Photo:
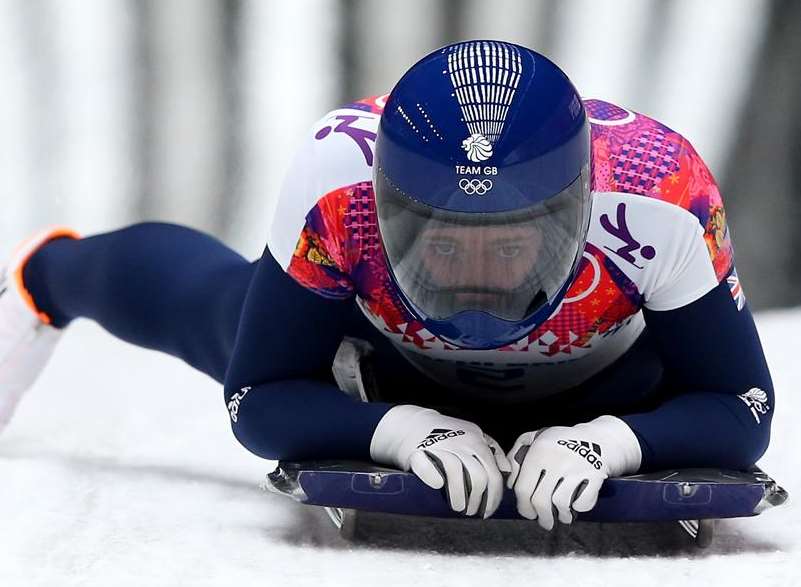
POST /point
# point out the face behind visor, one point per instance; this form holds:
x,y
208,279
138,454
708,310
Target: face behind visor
x,y
507,264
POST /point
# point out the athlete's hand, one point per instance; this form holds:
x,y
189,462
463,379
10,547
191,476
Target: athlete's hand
x,y
444,452
562,468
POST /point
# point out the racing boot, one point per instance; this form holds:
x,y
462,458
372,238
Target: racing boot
x,y
27,339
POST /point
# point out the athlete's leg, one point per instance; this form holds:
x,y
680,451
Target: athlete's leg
x,y
160,286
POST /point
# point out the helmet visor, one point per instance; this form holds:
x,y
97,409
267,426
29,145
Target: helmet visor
x,y
508,264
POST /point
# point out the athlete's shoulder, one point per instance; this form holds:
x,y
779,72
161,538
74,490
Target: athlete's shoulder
x,y
342,142
336,152
638,155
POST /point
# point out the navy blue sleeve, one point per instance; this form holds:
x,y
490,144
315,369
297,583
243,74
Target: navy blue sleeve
x,y
279,388
722,399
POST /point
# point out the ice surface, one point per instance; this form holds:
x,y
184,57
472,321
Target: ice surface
x,y
120,469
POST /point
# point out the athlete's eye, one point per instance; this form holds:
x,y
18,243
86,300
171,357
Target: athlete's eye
x,y
509,251
443,248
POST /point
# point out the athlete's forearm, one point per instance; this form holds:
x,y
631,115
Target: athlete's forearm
x,y
704,430
303,420
277,391
721,400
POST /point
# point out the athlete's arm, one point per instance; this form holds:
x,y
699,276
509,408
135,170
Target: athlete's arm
x,y
721,412
278,389
721,401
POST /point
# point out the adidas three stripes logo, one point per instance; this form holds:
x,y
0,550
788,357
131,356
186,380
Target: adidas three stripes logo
x,y
438,434
589,451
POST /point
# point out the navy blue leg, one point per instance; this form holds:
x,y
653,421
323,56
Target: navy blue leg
x,y
160,286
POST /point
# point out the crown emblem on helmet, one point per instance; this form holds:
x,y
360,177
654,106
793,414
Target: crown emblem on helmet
x,y
477,147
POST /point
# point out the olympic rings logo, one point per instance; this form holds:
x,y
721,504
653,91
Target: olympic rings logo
x,y
477,187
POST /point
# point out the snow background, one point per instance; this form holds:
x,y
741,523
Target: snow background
x,y
120,469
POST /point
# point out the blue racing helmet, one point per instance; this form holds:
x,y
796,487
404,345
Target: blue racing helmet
x,y
481,182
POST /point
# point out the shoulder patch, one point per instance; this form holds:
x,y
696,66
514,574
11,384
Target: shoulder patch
x,y
635,154
338,152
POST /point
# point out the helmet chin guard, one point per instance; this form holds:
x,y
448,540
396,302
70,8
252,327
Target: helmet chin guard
x,y
481,180
472,329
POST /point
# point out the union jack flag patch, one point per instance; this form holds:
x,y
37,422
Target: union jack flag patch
x,y
737,293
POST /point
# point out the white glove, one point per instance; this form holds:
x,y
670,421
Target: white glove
x,y
443,452
563,468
